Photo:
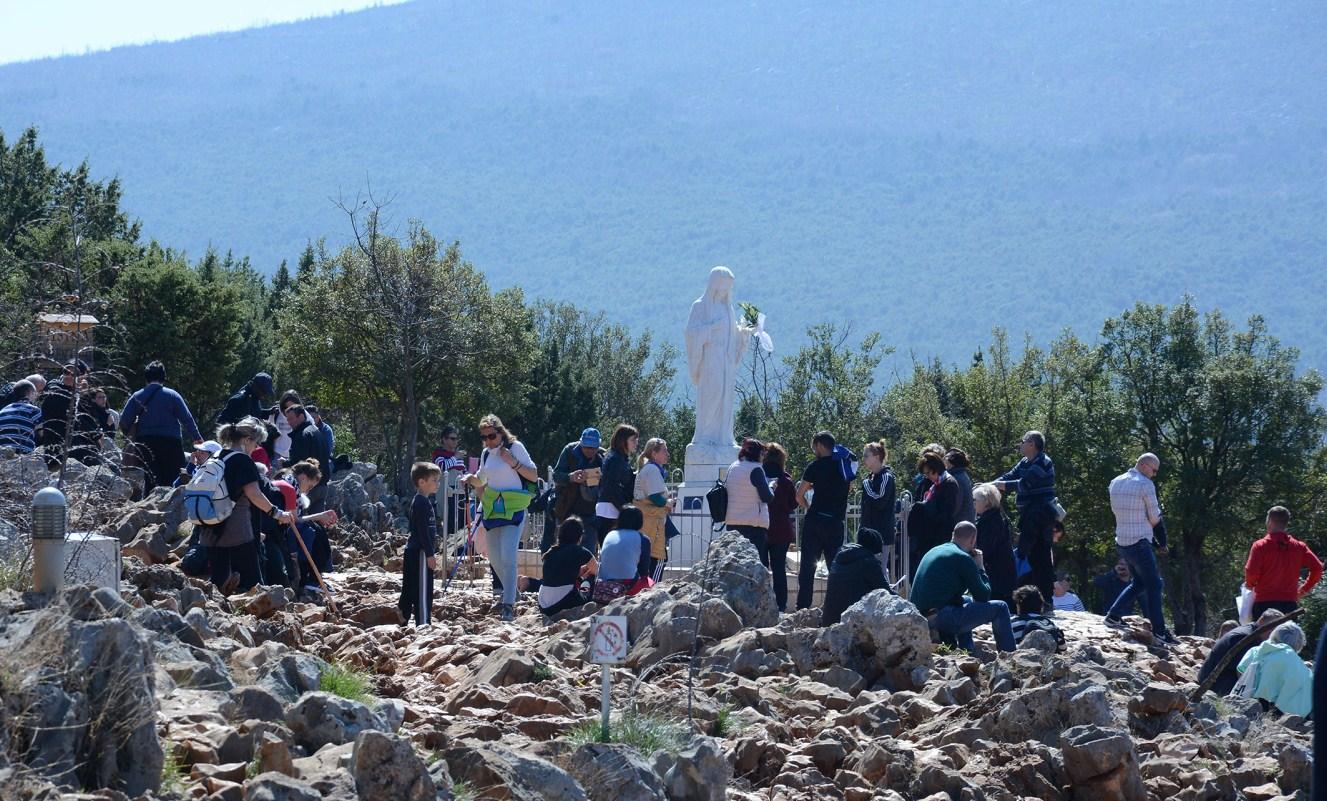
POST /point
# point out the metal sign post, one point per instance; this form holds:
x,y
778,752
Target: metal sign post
x,y
608,646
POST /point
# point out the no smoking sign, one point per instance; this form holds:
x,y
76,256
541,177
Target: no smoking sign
x,y
608,640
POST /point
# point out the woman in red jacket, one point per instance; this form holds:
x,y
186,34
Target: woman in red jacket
x,y
781,534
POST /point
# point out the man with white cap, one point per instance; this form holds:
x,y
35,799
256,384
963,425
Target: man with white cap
x,y
201,453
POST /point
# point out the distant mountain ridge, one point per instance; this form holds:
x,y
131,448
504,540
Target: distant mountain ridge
x,y
926,171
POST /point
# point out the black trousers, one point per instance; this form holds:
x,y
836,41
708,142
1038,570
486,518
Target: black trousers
x,y
821,536
163,459
1035,540
758,537
778,564
416,587
1281,606
240,559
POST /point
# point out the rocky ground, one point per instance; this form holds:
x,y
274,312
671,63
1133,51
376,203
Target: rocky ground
x,y
167,689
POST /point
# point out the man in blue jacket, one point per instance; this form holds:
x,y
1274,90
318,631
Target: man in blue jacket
x,y
1033,480
152,419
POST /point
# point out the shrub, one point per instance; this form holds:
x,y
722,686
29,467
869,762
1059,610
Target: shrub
x,y
347,682
645,732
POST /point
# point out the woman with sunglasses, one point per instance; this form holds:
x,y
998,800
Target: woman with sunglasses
x,y
505,473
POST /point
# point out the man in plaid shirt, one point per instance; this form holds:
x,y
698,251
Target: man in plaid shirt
x,y
1139,529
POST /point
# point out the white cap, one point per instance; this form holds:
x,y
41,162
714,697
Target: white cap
x,y
211,446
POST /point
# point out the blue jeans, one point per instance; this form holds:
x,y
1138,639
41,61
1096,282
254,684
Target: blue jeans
x,y
959,621
503,543
1146,581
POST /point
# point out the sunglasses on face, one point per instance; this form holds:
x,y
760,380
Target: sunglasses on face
x,y
489,437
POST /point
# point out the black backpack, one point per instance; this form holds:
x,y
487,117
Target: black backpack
x,y
717,500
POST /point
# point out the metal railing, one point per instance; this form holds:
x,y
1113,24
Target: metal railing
x,y
698,531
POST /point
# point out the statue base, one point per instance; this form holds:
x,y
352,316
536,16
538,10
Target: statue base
x,y
705,464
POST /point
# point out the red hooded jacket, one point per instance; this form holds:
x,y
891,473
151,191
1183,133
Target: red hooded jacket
x,y
1272,571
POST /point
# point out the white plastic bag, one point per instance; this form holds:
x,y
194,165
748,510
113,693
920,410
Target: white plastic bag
x,y
1244,603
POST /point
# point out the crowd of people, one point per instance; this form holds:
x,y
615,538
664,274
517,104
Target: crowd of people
x,y
256,491
259,492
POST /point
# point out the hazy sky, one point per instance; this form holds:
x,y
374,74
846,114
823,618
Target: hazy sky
x,y
38,28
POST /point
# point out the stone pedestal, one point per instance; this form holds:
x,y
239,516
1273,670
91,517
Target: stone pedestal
x,y
92,559
705,464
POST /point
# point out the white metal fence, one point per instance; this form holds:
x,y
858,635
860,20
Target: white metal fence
x,y
698,530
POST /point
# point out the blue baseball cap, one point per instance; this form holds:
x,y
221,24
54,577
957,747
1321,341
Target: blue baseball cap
x,y
263,384
590,438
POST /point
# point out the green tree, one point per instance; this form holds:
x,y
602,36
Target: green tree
x,y
1234,422
829,385
390,325
167,312
631,378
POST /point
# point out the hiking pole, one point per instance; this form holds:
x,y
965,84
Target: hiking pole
x,y
331,602
1240,649
459,560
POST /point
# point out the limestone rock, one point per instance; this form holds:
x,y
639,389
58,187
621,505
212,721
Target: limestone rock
x,y
611,772
506,666
732,570
506,773
256,703
1102,765
387,768
320,718
279,787
698,772
882,635
263,602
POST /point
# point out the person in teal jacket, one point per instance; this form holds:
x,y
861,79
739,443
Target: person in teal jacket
x,y
1282,677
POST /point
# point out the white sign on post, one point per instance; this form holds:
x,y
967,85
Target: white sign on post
x,y
608,646
608,640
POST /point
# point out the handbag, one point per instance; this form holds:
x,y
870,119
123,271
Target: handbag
x,y
717,500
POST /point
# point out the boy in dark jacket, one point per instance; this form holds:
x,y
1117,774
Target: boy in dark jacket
x,y
417,573
856,571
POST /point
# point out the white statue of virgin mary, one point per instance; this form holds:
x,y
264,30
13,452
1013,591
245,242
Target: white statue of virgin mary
x,y
716,343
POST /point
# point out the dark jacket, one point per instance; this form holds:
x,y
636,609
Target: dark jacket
x,y
306,442
967,509
1220,648
1110,587
569,461
855,572
423,525
995,540
932,521
55,405
618,481
1033,479
781,510
244,403
878,493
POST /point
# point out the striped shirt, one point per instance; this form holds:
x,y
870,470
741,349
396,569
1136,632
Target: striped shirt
x,y
18,422
1068,602
1133,499
1029,622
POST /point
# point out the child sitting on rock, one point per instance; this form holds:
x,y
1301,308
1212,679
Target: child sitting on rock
x,y
1029,605
420,562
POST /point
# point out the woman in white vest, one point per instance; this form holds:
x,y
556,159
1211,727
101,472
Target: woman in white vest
x,y
749,496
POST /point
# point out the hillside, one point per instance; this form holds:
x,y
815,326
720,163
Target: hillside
x,y
926,171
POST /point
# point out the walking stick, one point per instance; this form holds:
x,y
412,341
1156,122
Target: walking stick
x,y
319,576
1239,648
465,550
